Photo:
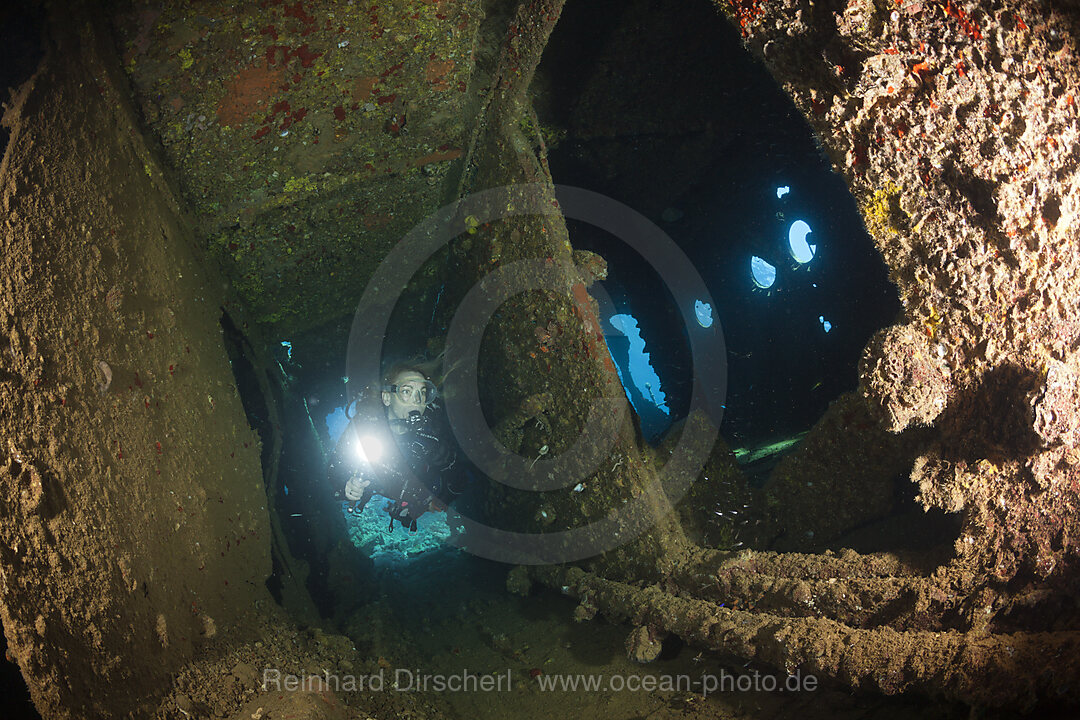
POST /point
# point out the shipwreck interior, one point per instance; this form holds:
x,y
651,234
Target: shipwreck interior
x,y
755,325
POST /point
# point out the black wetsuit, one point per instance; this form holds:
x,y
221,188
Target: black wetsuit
x,y
435,473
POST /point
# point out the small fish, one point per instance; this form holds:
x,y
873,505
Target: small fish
x,y
818,384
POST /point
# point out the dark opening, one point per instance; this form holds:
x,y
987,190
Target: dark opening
x,y
20,54
704,143
16,703
257,411
20,51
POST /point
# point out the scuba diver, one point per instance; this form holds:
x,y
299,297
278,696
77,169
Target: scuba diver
x,y
402,457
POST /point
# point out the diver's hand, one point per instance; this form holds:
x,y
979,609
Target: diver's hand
x,y
354,489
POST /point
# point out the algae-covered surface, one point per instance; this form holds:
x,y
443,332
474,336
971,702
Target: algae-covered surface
x,y
308,137
447,613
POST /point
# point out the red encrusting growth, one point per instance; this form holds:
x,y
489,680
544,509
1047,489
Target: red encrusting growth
x,y
746,12
306,56
297,11
966,23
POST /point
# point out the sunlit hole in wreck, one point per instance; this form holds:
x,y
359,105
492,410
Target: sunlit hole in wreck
x,y
703,313
639,379
801,250
762,272
336,422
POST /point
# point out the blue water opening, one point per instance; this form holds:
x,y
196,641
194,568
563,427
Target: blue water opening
x,y
801,250
336,422
704,314
762,273
639,379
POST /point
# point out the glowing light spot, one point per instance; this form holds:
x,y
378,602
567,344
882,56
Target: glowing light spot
x,y
367,449
802,251
763,273
703,310
825,324
782,191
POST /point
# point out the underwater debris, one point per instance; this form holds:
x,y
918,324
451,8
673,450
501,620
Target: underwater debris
x,y
1054,405
540,453
907,382
114,298
106,375
643,645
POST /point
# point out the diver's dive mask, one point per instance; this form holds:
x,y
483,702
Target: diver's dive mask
x,y
413,392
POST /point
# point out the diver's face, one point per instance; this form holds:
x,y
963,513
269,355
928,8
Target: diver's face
x,y
410,396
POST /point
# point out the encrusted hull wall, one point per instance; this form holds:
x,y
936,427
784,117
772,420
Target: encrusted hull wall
x,y
132,514
955,125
